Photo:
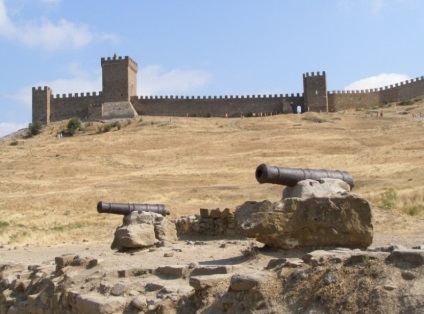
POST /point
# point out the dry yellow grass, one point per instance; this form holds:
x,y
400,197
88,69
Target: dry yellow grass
x,y
49,187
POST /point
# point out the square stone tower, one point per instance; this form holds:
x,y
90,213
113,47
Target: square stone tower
x,y
315,92
41,104
119,77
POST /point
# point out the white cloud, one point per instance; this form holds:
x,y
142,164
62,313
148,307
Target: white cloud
x,y
153,80
81,81
7,128
49,35
377,81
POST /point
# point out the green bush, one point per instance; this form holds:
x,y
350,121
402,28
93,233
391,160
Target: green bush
x,y
413,210
389,199
107,128
34,128
74,124
117,125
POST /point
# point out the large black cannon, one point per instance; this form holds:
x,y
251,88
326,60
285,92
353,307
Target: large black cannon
x,y
126,208
290,176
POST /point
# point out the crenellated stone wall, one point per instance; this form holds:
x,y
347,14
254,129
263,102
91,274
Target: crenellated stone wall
x,y
119,83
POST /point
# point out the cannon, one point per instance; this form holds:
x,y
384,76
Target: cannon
x,y
290,176
126,208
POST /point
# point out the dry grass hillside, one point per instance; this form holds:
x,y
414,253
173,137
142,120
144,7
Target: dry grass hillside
x,y
49,187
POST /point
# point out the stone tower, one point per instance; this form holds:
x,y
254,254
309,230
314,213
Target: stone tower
x,y
315,92
41,104
119,79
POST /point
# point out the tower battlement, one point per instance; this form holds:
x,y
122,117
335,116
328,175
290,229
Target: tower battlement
x,y
119,60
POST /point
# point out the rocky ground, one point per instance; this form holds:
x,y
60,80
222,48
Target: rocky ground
x,y
211,275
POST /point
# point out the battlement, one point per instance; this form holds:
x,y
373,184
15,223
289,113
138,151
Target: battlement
x,y
116,60
76,95
40,88
275,96
380,89
312,74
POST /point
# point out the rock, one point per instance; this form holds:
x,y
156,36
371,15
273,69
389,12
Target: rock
x,y
211,270
388,248
175,271
152,286
408,275
118,289
418,247
314,188
390,287
204,282
143,229
330,278
243,282
276,262
134,236
97,304
335,220
414,257
168,254
165,230
64,260
204,212
140,303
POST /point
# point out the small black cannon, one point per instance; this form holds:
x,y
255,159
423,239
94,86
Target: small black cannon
x,y
126,208
290,176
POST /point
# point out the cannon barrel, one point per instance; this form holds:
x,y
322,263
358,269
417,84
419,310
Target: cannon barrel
x,y
126,208
290,176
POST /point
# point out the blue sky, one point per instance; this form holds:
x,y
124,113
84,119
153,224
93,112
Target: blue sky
x,y
202,48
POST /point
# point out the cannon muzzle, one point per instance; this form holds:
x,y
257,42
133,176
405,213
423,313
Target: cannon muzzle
x,y
126,208
290,176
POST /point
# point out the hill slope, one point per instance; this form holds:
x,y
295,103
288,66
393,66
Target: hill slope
x,y
49,187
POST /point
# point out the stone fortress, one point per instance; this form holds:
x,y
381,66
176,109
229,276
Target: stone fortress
x,y
119,99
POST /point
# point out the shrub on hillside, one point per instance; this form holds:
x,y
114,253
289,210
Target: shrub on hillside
x,y
309,116
34,128
74,124
389,199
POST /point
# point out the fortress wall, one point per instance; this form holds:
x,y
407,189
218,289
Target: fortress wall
x,y
213,106
73,105
405,90
343,100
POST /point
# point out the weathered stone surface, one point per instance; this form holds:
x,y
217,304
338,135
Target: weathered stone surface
x,y
204,282
118,289
97,304
140,303
165,230
414,257
143,229
241,282
211,270
134,236
314,188
176,271
335,220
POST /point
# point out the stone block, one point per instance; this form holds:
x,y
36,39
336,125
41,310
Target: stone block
x,y
176,271
243,282
204,282
204,213
413,257
211,270
98,304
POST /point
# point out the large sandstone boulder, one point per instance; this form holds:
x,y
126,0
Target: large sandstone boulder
x,y
143,229
315,218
